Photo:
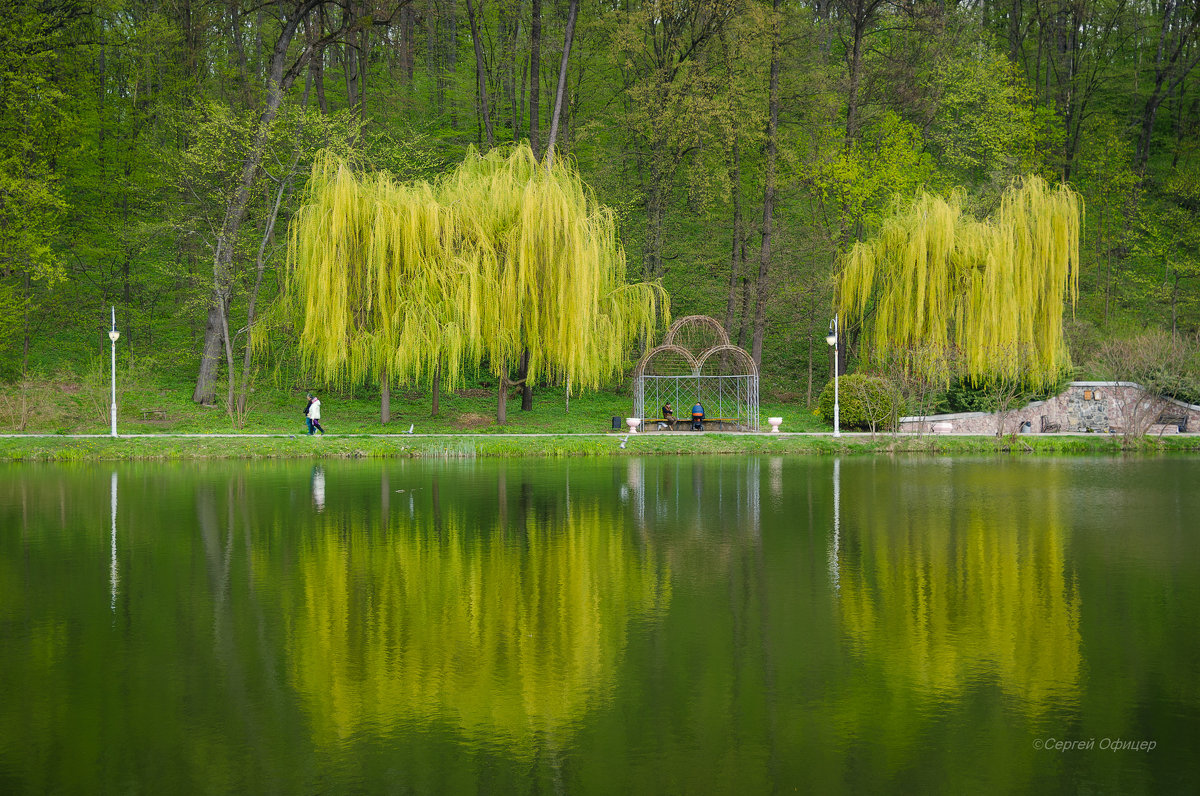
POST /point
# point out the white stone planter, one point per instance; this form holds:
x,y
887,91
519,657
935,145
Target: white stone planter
x,y
633,423
775,423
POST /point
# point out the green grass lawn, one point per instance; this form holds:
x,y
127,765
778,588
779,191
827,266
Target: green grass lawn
x,y
66,403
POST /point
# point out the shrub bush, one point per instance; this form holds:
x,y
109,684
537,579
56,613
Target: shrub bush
x,y
862,400
963,396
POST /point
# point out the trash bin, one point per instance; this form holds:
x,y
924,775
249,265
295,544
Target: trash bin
x,y
616,424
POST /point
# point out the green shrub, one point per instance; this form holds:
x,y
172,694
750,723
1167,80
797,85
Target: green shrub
x,y
987,395
862,400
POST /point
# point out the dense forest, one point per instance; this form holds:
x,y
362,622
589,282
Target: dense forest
x,y
153,152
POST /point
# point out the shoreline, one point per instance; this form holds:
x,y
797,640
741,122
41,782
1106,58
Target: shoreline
x,y
184,447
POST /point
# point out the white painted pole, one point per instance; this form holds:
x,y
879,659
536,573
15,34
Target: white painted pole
x,y
113,335
837,430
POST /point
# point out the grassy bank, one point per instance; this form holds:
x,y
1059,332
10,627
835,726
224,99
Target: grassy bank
x,y
153,402
42,449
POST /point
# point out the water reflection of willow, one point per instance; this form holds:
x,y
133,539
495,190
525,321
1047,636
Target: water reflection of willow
x,y
944,595
509,637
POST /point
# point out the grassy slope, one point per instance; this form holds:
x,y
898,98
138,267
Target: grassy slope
x,y
69,404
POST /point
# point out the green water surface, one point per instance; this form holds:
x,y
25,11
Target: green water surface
x,y
669,625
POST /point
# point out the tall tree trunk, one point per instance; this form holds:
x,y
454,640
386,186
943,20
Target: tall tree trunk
x,y
502,401
210,356
435,57
510,23
316,66
535,74
25,305
526,389
561,93
452,59
735,179
385,400
744,321
279,79
656,212
764,261
407,45
855,77
437,391
260,267
481,77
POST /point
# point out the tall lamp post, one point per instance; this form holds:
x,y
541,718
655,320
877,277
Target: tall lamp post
x,y
113,335
832,339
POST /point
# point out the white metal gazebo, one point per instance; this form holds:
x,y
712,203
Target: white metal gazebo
x,y
696,361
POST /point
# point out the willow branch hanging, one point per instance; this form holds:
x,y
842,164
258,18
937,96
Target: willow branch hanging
x,y
390,280
993,291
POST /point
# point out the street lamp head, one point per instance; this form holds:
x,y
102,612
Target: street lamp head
x,y
831,338
113,335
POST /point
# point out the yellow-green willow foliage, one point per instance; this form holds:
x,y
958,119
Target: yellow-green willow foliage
x,y
506,642
994,291
941,600
395,279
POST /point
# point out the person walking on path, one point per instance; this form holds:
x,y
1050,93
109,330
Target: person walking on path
x,y
307,419
314,416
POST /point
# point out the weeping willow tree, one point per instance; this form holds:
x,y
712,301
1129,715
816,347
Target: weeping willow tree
x,y
992,291
398,281
544,272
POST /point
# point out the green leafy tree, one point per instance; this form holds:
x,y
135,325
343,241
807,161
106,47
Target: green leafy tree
x,y
34,127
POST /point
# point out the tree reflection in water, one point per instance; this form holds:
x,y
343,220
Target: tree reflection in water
x,y
942,592
508,632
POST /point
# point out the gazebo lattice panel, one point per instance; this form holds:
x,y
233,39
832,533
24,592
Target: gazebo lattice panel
x,y
697,362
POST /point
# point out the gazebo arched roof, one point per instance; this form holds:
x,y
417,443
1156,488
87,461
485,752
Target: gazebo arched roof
x,y
686,329
733,353
658,354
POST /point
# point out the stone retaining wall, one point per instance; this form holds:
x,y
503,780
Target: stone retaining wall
x,y
1098,406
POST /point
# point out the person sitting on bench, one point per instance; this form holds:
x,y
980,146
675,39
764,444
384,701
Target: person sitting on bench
x,y
697,416
668,416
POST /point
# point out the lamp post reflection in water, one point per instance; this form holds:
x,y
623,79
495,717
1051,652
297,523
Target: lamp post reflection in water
x,y
834,549
112,570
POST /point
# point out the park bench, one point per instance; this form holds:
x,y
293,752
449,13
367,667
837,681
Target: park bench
x,y
154,414
685,423
1174,417
1048,427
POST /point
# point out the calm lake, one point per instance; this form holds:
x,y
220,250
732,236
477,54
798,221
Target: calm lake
x,y
659,626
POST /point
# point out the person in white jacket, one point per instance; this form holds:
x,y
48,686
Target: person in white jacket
x,y
314,416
